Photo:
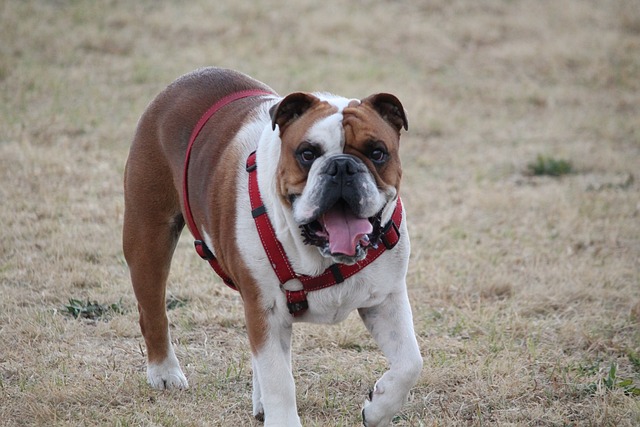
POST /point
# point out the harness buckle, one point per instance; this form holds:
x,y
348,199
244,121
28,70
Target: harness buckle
x,y
203,250
297,302
390,238
251,164
337,274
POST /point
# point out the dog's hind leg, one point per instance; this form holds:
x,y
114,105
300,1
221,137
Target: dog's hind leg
x,y
152,225
391,325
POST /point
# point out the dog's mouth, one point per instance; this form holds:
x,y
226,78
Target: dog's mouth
x,y
342,235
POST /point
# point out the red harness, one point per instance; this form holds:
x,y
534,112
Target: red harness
x,y
336,273
201,247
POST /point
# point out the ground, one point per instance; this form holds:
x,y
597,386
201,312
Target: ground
x,y
525,288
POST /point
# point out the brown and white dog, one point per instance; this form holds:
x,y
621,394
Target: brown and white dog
x,y
328,173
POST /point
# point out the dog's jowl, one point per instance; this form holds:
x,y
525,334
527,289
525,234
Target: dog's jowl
x,y
295,203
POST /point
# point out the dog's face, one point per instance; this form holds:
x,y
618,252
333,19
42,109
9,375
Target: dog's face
x,y
339,168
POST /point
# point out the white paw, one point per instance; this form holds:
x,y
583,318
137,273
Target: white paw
x,y
258,411
259,416
167,375
373,413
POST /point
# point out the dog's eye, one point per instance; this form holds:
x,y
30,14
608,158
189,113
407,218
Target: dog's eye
x,y
378,156
307,157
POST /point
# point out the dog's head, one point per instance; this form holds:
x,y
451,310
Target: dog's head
x,y
339,167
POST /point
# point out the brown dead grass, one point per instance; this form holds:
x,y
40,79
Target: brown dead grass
x,y
525,289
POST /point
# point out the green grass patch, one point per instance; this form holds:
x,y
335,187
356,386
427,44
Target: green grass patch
x,y
634,358
550,166
92,309
174,302
611,381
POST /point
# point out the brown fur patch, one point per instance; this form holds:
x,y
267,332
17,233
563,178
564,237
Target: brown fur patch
x,y
364,126
291,176
217,167
156,165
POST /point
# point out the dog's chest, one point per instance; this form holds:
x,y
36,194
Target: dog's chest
x,y
333,305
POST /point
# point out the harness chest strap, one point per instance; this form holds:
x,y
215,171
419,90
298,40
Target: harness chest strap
x,y
336,273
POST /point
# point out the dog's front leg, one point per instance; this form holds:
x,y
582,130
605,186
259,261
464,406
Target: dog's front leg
x,y
391,325
274,394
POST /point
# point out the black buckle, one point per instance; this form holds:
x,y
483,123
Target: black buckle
x,y
227,281
390,243
251,162
297,308
203,250
337,274
297,302
260,210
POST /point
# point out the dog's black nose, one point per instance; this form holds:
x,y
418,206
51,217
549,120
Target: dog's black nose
x,y
343,177
343,166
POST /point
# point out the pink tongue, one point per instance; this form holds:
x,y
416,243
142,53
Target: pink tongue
x,y
345,229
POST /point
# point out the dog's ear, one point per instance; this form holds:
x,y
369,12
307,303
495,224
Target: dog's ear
x,y
290,108
390,108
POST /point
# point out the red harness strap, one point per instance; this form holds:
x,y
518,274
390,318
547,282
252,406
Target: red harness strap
x,y
201,247
336,273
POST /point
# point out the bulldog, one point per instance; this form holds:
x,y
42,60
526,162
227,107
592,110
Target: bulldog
x,y
295,203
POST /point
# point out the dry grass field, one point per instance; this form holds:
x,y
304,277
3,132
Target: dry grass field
x,y
525,287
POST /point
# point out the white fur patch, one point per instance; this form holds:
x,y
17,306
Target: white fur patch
x,y
167,374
